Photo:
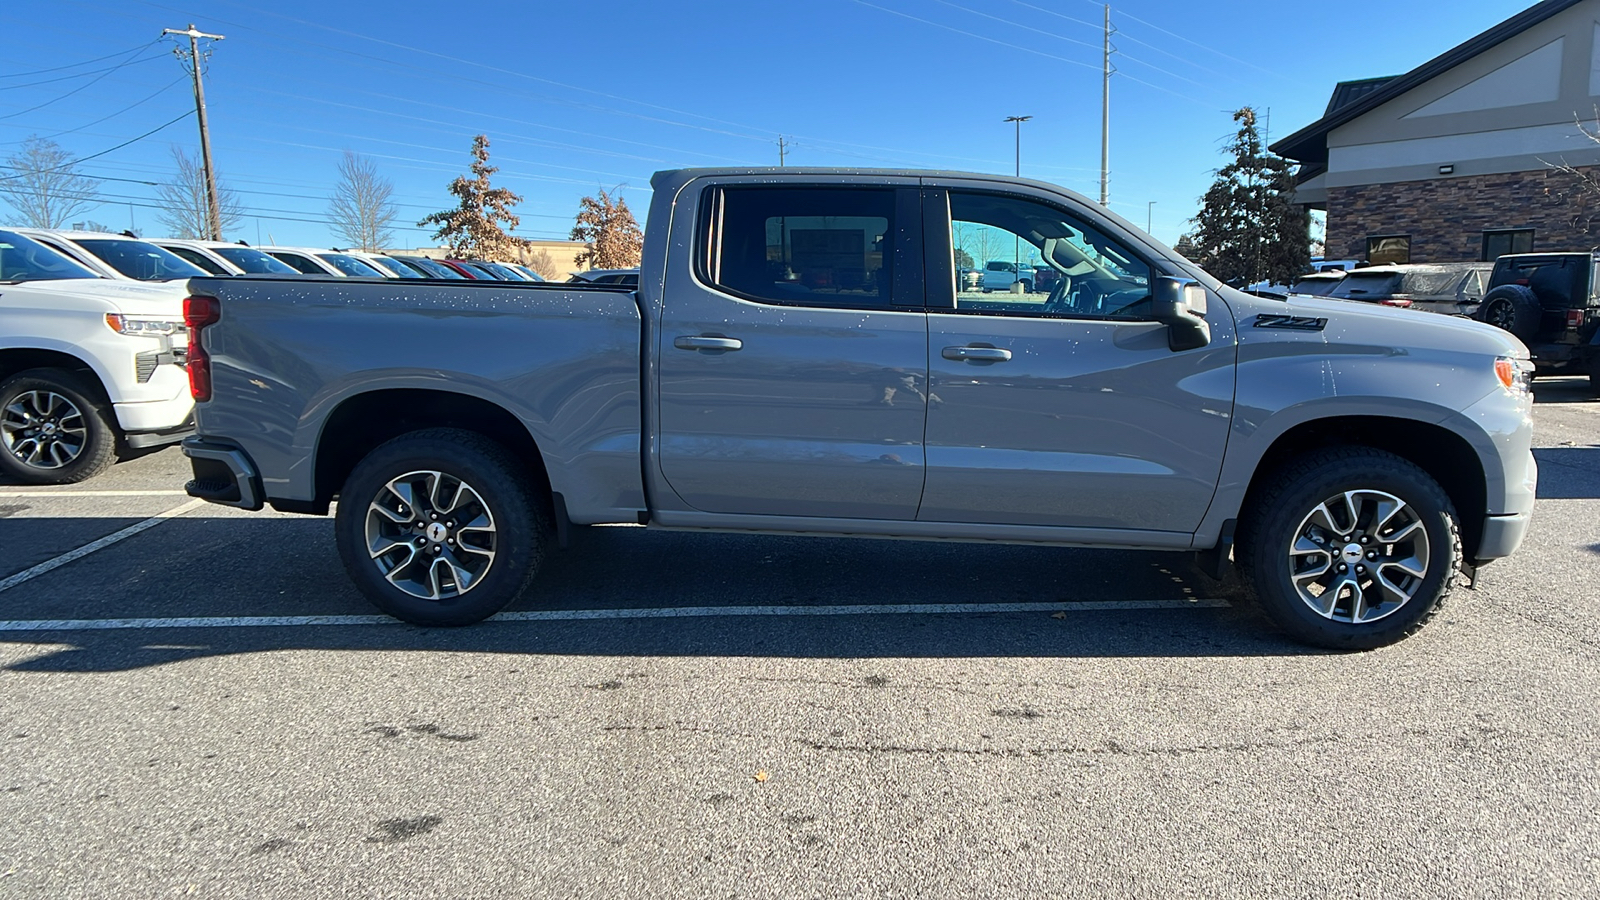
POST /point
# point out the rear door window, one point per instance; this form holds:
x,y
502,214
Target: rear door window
x,y
808,246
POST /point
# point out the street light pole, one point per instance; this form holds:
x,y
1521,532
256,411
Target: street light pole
x,y
1016,249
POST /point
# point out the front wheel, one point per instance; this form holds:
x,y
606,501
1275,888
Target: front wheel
x,y
1351,548
54,428
440,527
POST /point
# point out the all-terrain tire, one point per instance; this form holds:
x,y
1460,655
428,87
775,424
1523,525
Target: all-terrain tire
x,y
1275,542
459,535
1513,308
55,428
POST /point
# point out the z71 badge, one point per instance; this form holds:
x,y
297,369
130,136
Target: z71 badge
x,y
1293,323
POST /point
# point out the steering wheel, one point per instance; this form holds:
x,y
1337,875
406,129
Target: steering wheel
x,y
1127,303
1057,302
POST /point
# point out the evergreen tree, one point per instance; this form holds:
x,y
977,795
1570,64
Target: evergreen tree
x,y
1249,228
610,232
473,228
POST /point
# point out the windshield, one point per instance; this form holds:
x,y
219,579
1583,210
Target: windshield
x,y
139,260
400,269
433,269
503,273
476,271
254,261
349,265
23,259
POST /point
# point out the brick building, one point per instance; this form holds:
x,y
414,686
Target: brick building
x,y
1454,160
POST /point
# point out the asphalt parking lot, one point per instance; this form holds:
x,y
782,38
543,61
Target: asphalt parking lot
x,y
195,702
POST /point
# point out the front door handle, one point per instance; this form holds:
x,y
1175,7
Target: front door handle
x,y
707,342
977,354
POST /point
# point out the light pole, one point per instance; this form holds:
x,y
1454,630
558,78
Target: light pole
x,y
1016,248
1149,217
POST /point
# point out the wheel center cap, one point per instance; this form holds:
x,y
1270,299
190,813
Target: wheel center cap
x,y
1351,553
49,428
437,532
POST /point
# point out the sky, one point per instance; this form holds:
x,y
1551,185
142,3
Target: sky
x,y
578,97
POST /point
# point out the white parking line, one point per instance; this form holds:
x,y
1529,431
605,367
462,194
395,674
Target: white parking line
x,y
92,546
574,615
93,494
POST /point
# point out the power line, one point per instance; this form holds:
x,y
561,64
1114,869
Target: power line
x,y
107,150
77,64
75,90
101,72
119,112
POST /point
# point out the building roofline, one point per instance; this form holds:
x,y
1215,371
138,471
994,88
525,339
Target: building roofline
x,y
1310,143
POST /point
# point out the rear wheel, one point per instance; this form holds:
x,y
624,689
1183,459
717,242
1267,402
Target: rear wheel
x,y
440,527
54,428
1351,548
1513,308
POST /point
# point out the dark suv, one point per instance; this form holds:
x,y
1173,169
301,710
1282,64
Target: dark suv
x,y
1551,301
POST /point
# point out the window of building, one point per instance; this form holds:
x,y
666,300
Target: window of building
x,y
1500,241
1389,249
809,246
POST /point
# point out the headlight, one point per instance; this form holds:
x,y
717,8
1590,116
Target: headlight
x,y
143,326
1515,374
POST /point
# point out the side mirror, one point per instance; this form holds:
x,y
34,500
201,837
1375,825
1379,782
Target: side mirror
x,y
1180,304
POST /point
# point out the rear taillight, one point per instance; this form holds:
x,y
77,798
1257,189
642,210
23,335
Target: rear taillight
x,y
1574,318
1397,301
198,312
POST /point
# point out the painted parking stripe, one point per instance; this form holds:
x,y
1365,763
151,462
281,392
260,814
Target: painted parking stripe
x,y
93,494
576,615
72,555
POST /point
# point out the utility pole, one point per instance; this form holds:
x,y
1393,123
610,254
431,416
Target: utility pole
x,y
1149,217
1016,242
213,210
1105,120
783,147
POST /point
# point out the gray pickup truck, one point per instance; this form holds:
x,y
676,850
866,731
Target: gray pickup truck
x,y
798,358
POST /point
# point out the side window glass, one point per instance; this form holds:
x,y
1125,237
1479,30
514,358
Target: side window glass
x,y
1020,257
806,246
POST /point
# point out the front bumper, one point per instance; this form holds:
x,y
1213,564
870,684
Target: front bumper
x,y
1502,535
222,474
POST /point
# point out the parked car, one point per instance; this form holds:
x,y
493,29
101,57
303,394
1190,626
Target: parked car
x,y
629,277
1352,458
999,275
220,258
469,269
89,365
431,268
386,265
115,255
1551,302
311,261
500,271
1448,288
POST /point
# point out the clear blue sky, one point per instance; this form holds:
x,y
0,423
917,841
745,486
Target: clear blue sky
x,y
581,95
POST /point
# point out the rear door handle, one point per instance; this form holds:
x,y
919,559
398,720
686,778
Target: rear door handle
x,y
707,342
977,354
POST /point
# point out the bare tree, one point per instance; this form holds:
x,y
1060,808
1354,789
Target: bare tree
x,y
362,210
184,211
610,231
473,227
42,183
542,262
1581,188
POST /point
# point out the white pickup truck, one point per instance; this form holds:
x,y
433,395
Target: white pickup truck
x,y
88,366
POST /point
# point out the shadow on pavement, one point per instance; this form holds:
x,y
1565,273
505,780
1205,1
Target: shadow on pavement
x,y
233,567
1568,473
1571,389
